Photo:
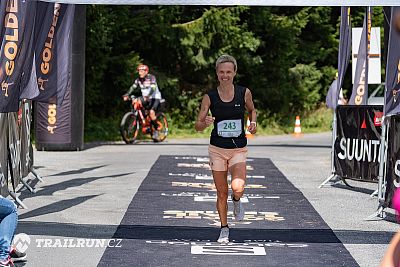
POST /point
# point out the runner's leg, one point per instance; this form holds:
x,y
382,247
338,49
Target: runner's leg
x,y
237,168
238,173
221,184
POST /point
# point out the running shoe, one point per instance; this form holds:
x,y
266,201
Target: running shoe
x,y
238,210
224,235
17,255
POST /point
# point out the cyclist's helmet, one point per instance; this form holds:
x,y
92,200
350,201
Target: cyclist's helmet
x,y
143,67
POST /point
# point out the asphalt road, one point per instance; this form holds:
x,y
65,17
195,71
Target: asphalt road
x,y
85,195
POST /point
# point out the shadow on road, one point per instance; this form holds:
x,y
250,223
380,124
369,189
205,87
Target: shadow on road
x,y
198,234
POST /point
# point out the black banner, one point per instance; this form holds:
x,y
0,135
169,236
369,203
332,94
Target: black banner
x,y
359,93
16,27
53,122
393,159
357,142
392,91
343,58
59,126
53,51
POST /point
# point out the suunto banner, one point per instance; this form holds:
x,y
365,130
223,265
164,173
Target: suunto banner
x,y
393,160
358,141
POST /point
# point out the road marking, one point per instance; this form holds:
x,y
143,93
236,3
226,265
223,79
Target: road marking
x,y
204,166
211,186
199,176
213,198
228,250
249,216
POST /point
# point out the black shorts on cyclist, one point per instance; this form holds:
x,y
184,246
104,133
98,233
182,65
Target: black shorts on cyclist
x,y
152,103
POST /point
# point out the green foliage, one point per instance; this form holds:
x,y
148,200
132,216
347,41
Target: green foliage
x,y
305,87
185,115
286,56
106,129
317,120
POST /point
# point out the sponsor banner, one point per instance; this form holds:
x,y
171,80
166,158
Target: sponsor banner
x,y
53,46
16,27
343,58
53,122
357,142
393,160
392,92
359,94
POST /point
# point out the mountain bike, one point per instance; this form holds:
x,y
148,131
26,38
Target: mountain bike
x,y
137,123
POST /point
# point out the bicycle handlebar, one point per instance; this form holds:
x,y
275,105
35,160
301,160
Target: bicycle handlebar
x,y
129,97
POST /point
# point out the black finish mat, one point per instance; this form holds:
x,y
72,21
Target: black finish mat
x,y
172,221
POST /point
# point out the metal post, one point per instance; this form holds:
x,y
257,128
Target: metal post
x,y
28,186
36,175
374,194
382,158
333,176
380,213
19,201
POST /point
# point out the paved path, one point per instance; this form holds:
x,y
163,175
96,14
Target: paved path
x,y
86,195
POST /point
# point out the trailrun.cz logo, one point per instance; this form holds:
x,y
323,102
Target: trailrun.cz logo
x,y
23,241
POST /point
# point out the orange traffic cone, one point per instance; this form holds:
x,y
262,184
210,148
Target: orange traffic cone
x,y
248,134
297,127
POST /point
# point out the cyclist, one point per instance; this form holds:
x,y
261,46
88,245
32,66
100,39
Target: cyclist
x,y
151,95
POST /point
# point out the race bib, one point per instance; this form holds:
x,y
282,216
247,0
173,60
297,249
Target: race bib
x,y
229,128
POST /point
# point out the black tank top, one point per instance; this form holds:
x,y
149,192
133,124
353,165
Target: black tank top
x,y
229,125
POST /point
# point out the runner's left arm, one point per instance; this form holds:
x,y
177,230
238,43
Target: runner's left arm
x,y
251,110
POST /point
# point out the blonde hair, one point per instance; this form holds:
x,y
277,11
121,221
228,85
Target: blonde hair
x,y
224,59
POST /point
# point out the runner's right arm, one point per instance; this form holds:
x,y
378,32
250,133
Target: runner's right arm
x,y
203,120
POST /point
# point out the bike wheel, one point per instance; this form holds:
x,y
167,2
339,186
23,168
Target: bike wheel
x,y
129,127
162,127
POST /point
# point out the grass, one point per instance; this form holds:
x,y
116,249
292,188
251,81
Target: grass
x,y
319,120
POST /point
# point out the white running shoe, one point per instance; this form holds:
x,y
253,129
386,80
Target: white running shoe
x,y
238,210
224,235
